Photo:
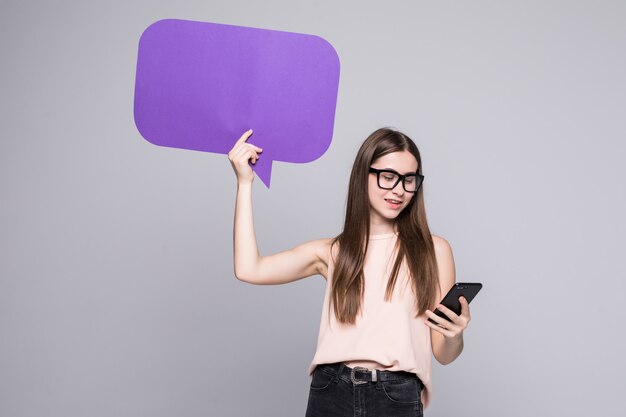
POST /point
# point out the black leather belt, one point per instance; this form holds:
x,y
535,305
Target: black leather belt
x,y
359,375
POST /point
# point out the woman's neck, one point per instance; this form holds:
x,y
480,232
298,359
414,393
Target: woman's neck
x,y
382,227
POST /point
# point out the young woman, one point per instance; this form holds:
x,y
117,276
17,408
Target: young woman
x,y
385,274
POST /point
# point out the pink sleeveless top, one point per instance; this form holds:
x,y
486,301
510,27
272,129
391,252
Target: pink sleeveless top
x,y
387,335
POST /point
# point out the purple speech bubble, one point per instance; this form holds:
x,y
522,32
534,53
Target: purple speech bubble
x,y
200,85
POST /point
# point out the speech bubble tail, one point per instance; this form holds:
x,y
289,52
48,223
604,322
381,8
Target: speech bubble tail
x,y
263,168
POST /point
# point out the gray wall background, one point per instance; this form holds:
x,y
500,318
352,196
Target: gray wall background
x,y
117,296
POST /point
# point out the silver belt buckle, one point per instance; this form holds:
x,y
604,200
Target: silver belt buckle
x,y
353,379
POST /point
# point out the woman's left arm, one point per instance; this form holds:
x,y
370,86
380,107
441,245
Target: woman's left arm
x,y
447,336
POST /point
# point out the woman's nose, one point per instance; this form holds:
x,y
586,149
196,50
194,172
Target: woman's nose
x,y
398,189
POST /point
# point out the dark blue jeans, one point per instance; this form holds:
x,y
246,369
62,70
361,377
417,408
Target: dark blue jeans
x,y
338,391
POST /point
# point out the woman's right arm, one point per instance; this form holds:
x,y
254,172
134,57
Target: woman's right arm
x,y
304,260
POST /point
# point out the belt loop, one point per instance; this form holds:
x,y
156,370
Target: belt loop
x,y
379,383
339,371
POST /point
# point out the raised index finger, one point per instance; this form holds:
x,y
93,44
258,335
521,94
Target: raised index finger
x,y
244,137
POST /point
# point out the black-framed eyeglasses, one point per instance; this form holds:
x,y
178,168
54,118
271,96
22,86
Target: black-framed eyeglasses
x,y
388,179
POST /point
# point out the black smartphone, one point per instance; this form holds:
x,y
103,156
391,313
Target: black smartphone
x,y
451,300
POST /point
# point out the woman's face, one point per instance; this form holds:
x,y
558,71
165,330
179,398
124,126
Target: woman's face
x,y
387,204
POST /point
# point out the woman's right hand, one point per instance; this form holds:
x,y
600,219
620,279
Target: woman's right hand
x,y
239,156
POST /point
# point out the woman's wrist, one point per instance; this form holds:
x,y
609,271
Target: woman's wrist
x,y
454,341
244,184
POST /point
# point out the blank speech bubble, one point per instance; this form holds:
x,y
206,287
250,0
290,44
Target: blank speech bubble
x,y
199,86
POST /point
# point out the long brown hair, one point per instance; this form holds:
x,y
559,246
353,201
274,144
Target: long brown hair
x,y
414,245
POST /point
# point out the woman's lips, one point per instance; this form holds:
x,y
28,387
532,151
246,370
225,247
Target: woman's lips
x,y
394,204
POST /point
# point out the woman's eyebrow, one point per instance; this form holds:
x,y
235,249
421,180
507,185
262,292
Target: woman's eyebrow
x,y
393,170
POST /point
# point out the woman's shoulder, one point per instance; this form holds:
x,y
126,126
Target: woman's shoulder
x,y
441,245
443,252
445,261
322,246
319,248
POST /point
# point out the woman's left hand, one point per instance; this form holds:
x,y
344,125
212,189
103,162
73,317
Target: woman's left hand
x,y
454,327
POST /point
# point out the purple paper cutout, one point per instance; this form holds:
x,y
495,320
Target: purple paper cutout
x,y
199,86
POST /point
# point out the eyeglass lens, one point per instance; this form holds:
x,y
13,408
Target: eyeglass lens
x,y
388,180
